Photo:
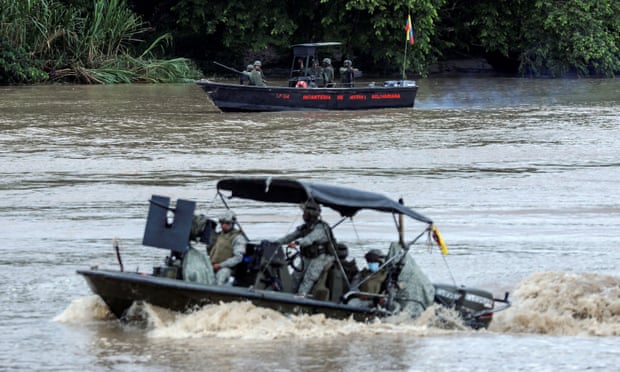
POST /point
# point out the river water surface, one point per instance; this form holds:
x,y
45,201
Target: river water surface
x,y
521,176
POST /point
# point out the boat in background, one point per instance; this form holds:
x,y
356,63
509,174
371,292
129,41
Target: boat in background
x,y
306,91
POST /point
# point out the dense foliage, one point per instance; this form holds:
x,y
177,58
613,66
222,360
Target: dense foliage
x,y
100,41
538,37
528,37
96,43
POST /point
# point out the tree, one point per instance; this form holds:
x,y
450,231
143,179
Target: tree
x,y
542,37
372,30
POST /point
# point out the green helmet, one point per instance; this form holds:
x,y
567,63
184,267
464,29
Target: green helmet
x,y
327,61
257,63
250,67
347,62
312,208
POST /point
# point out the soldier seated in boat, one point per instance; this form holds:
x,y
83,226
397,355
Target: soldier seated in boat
x,y
371,279
315,241
228,248
245,75
256,77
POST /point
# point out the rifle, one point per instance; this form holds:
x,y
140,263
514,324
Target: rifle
x,y
228,68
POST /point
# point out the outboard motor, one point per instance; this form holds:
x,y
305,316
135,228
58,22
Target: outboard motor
x,y
475,306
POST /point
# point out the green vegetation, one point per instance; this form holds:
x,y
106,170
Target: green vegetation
x,y
539,37
114,41
48,40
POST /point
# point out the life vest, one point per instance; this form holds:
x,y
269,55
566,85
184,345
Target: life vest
x,y
301,84
372,285
316,248
223,247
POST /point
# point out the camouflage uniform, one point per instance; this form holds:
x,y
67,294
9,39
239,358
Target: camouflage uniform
x,y
245,75
371,280
314,240
372,285
327,73
347,74
256,76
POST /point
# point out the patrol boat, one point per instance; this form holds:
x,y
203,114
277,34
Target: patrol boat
x,y
184,281
305,91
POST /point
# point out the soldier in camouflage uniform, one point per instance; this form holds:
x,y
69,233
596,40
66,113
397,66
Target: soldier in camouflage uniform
x,y
315,241
347,74
256,76
371,279
228,249
245,75
374,259
327,73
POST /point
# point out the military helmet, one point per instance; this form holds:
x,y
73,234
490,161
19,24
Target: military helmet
x,y
327,60
374,255
228,217
257,63
347,62
250,67
312,208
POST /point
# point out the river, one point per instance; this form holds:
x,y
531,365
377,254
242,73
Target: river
x,y
520,175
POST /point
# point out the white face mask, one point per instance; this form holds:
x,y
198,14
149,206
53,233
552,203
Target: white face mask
x,y
373,266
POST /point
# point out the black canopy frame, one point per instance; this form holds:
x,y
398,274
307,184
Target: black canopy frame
x,y
346,201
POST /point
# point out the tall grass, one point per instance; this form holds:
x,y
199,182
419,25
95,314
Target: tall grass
x,y
100,47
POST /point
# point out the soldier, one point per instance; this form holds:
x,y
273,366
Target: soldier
x,y
314,72
256,76
228,249
371,279
347,74
315,241
245,75
327,73
374,259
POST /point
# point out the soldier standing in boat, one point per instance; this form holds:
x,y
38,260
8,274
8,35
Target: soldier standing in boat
x,y
228,249
316,243
327,73
347,74
314,72
256,76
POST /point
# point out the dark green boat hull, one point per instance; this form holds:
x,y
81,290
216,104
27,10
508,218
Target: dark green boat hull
x,y
120,289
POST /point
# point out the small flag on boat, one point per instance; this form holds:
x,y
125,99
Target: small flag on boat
x,y
409,30
439,240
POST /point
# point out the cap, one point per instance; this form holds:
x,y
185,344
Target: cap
x,y
374,255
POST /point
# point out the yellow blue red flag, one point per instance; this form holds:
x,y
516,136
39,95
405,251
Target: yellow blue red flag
x,y
409,30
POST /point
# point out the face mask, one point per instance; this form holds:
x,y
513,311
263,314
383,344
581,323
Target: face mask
x,y
373,266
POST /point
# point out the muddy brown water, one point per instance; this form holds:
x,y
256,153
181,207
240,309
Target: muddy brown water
x,y
521,176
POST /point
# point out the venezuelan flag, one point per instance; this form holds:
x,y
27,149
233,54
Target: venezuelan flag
x,y
409,30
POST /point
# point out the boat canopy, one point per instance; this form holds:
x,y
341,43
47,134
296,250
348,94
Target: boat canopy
x,y
344,200
309,49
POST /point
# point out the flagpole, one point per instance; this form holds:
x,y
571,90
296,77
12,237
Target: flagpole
x,y
408,26
405,62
